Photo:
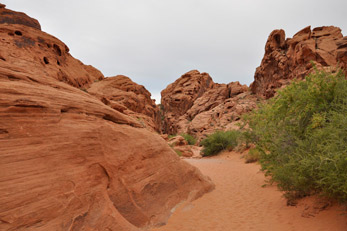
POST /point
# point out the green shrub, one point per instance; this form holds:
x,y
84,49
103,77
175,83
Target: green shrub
x,y
301,135
219,141
172,136
179,153
252,156
189,138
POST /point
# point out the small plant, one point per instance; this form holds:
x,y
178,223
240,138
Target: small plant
x,y
172,136
219,141
252,156
179,153
189,138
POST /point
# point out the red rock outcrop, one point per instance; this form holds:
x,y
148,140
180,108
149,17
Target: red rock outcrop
x,y
196,105
124,95
178,97
42,54
12,17
67,160
286,59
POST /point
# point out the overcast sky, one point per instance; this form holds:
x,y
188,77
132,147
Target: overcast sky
x,y
154,42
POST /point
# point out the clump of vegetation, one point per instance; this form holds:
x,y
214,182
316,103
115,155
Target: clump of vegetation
x,y
301,136
189,138
179,153
172,136
252,156
219,141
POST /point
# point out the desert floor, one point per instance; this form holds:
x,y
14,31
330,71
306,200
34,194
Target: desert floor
x,y
241,202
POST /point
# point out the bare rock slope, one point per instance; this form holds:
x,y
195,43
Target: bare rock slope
x,y
287,59
124,95
67,160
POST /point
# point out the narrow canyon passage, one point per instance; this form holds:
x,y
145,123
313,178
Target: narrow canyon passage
x,y
240,203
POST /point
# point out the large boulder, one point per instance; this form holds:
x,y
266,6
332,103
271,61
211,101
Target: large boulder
x,y
287,59
67,160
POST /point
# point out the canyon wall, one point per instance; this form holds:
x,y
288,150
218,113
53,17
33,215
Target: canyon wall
x,y
68,159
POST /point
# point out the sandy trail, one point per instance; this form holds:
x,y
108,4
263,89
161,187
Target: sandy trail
x,y
240,203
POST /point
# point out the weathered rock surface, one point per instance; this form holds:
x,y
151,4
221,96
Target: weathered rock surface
x,y
67,160
124,95
286,59
196,105
42,54
180,146
13,17
178,97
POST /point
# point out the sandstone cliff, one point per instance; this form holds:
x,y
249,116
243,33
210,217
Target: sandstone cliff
x,y
195,104
67,160
287,59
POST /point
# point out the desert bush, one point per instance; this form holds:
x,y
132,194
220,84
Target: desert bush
x,y
301,135
179,153
219,141
189,138
172,136
252,156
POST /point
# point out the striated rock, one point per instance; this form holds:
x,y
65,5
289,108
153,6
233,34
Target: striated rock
x,y
124,95
217,106
286,59
67,160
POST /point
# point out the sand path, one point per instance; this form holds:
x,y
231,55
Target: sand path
x,y
240,203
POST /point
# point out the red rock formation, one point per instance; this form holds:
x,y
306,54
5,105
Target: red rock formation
x,y
180,96
67,160
41,54
196,105
12,17
286,59
124,95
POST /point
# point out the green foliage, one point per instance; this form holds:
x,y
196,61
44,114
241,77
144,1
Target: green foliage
x,y
301,135
179,153
252,156
189,138
172,136
219,141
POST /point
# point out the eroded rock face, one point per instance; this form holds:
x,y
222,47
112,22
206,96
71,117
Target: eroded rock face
x,y
206,108
286,59
178,97
13,17
124,95
67,160
42,54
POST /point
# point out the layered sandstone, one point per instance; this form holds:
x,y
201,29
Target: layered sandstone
x,y
196,105
287,59
122,94
67,160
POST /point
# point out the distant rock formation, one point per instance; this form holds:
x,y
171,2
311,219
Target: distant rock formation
x,y
70,161
196,105
124,95
286,59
